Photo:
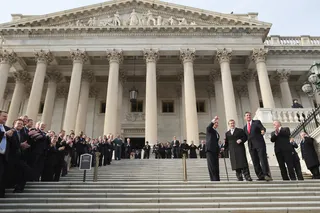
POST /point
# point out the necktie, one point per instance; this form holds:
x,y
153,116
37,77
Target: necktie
x,y
277,131
249,127
3,143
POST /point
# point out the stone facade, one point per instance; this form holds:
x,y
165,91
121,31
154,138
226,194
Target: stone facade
x,y
187,64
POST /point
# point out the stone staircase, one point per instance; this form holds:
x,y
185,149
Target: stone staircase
x,y
158,186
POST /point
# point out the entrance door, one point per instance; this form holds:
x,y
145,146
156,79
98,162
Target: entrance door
x,y
137,143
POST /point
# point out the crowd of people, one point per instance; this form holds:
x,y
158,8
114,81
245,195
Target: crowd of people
x,y
253,133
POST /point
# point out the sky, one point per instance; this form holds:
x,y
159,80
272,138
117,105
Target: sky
x,y
289,17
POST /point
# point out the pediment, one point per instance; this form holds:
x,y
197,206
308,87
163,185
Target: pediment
x,y
133,13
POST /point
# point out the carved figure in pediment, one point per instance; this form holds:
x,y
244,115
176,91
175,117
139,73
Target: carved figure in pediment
x,y
79,23
134,19
193,23
92,22
143,20
159,20
151,19
70,24
182,21
116,19
171,21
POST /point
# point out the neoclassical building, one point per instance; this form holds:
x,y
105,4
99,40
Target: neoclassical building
x,y
74,69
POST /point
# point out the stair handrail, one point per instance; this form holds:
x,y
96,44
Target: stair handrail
x,y
184,165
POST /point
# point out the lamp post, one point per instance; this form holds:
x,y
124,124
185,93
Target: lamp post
x,y
133,93
313,85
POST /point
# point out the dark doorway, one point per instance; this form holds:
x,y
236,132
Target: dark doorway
x,y
137,143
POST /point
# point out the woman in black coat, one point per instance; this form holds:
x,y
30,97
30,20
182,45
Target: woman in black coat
x,y
193,152
309,155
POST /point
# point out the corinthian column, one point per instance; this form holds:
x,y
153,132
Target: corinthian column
x,y
87,78
115,57
151,124
122,80
187,57
21,77
215,79
78,57
43,59
53,77
250,76
286,96
259,57
6,60
224,57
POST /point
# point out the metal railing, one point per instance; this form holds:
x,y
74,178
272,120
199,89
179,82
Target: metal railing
x,y
184,166
308,123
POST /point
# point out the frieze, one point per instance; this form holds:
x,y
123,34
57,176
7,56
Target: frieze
x,y
133,117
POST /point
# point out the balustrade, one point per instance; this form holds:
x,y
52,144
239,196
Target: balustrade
x,y
292,41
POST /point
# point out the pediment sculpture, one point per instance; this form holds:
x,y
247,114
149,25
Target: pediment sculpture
x,y
132,19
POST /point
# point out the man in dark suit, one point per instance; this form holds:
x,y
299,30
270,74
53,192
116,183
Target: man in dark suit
x,y
212,149
234,141
309,155
296,160
257,147
202,149
175,147
146,149
283,150
5,139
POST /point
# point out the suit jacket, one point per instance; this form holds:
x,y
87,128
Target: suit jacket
x,y
176,143
255,138
309,153
212,140
8,141
282,140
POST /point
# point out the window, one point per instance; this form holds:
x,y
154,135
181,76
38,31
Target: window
x,y
167,106
41,108
137,106
102,107
261,104
201,106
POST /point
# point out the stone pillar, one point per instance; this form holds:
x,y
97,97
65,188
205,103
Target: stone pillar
x,y
79,57
59,108
250,76
259,57
215,79
54,77
151,123
224,57
43,59
115,58
91,114
286,96
187,56
122,81
21,77
182,106
6,60
81,121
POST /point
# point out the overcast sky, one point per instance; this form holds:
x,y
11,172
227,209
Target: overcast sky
x,y
289,17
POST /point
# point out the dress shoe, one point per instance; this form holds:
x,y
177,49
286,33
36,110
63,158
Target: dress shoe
x,y
267,178
261,179
249,179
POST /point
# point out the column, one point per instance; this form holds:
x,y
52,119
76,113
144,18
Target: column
x,y
215,79
87,78
79,58
224,58
43,59
122,80
151,120
286,96
91,115
182,105
54,77
187,57
259,57
250,76
6,60
21,77
115,58
59,107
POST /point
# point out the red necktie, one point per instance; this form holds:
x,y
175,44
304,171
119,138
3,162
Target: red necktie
x,y
249,127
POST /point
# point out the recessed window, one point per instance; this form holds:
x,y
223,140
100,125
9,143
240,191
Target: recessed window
x,y
201,106
41,107
137,106
167,106
102,107
261,104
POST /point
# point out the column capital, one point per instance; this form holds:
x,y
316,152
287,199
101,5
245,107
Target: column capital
x,y
249,75
224,55
43,56
78,56
21,76
283,75
93,92
187,55
8,57
259,55
115,56
151,55
214,75
53,75
62,91
87,75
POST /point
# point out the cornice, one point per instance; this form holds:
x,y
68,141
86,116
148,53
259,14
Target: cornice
x,y
294,51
